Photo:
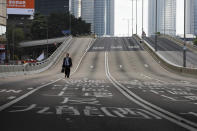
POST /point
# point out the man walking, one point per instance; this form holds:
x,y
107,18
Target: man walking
x,y
67,64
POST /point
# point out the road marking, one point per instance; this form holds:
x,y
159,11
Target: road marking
x,y
89,46
190,113
98,48
3,107
145,65
154,92
134,47
116,47
11,97
10,91
61,93
169,97
145,104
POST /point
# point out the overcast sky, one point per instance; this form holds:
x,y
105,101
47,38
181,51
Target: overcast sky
x,y
123,17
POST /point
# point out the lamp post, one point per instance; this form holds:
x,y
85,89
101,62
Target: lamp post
x,y
136,17
7,50
128,20
142,17
132,17
156,26
47,34
184,47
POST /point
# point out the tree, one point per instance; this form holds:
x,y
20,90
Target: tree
x,y
15,36
195,42
39,27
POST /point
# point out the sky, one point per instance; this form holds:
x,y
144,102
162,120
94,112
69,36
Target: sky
x,y
123,17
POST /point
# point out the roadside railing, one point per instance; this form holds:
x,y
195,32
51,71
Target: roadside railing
x,y
180,42
30,68
163,62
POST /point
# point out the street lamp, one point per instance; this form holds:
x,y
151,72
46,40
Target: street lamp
x,y
136,17
132,17
164,17
128,20
47,33
184,47
142,17
156,26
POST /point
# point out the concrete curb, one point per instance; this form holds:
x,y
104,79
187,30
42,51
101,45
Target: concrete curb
x,y
163,62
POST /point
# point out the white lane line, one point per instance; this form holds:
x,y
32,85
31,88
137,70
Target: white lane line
x,y
154,92
11,97
169,97
146,105
89,46
25,95
3,107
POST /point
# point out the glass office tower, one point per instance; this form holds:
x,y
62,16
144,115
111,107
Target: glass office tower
x,y
87,12
76,8
47,7
104,17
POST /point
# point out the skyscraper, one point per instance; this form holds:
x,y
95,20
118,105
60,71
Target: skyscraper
x,y
76,8
104,17
87,12
3,17
166,17
47,7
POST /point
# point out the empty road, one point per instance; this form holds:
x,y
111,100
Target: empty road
x,y
115,86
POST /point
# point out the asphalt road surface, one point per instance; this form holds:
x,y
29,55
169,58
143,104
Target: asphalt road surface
x,y
115,86
173,52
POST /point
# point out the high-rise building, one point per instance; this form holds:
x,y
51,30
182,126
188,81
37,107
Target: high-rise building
x,y
87,12
47,7
76,8
104,17
3,23
3,16
166,17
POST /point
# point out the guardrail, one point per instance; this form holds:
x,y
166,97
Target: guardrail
x,y
180,42
31,68
163,62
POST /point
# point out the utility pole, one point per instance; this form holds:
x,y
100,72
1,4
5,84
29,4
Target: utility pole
x,y
47,41
142,17
164,17
136,17
156,27
132,17
184,47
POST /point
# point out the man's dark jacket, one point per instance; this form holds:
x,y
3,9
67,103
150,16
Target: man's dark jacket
x,y
69,61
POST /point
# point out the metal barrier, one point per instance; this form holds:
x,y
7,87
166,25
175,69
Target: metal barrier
x,y
31,68
180,42
163,62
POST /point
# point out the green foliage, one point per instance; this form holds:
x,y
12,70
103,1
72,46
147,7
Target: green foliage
x,y
55,23
195,42
39,27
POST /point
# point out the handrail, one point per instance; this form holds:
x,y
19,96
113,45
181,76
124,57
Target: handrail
x,y
30,68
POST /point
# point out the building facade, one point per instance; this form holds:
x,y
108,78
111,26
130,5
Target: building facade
x,y
76,8
3,17
104,17
46,7
87,12
3,23
166,17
